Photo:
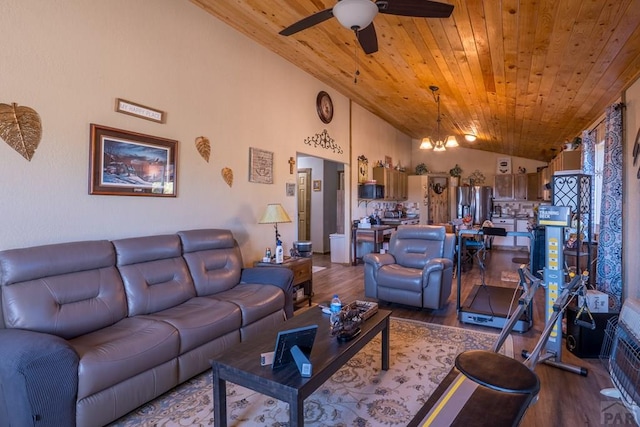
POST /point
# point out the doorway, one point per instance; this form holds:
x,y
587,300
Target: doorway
x,y
321,202
304,204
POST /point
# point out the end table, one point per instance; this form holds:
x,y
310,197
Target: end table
x,y
302,276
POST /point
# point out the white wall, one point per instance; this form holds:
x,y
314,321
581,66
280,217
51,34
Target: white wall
x,y
374,139
469,161
70,59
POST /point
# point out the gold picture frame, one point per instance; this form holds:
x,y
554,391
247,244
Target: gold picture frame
x,y
317,185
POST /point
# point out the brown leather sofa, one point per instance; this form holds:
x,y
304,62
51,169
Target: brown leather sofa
x,y
417,269
91,330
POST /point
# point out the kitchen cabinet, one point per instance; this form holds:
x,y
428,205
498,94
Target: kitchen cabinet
x,y
520,186
567,160
395,183
510,187
508,225
503,187
533,187
544,177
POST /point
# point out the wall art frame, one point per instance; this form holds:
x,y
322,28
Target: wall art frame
x,y
317,185
503,166
141,111
291,189
260,166
125,163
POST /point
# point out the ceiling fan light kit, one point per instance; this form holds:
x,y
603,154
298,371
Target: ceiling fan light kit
x,y
355,14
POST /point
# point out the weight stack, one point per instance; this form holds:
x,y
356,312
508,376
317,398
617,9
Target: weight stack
x,y
585,342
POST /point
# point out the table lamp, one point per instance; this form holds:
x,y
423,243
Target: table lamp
x,y
274,214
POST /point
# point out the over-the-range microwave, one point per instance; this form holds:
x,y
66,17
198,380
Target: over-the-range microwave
x,y
370,191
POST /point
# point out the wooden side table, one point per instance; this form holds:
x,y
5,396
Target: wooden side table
x,y
302,276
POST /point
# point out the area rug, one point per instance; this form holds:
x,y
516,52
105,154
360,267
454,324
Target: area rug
x,y
316,268
359,394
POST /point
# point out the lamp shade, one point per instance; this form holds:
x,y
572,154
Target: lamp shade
x,y
451,142
470,137
426,144
355,14
274,214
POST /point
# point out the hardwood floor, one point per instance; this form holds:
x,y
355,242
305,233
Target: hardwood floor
x,y
566,399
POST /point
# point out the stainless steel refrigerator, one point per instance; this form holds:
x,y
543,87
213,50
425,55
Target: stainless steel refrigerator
x,y
475,201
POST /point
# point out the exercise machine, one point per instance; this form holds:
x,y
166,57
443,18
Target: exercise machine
x,y
488,305
485,388
555,219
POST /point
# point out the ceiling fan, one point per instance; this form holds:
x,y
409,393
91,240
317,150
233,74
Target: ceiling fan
x,y
357,15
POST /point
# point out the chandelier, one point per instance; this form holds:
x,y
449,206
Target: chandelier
x,y
440,144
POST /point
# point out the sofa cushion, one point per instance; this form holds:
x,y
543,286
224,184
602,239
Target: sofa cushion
x,y
399,277
255,301
200,320
121,351
66,289
214,259
154,273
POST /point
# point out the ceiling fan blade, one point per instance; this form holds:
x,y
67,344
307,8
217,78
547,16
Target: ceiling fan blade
x,y
415,8
368,39
307,22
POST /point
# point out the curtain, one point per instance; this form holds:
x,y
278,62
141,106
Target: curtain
x,y
609,267
588,152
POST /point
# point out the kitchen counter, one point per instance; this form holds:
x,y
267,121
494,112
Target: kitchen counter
x,y
400,221
506,216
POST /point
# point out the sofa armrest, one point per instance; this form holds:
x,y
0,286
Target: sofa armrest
x,y
38,379
280,277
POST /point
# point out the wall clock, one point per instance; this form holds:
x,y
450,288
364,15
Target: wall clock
x,y
324,106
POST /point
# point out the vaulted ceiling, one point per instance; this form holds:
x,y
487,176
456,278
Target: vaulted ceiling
x,y
522,75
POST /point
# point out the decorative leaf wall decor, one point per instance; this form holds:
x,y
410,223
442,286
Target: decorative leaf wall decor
x,y
204,147
20,128
227,175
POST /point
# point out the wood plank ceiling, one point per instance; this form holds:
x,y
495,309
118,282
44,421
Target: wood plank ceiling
x,y
522,75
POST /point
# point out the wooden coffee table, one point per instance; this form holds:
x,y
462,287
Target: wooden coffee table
x,y
241,363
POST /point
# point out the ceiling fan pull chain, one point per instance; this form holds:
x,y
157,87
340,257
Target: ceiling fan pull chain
x,y
355,55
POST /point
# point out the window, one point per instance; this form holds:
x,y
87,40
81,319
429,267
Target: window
x,y
597,186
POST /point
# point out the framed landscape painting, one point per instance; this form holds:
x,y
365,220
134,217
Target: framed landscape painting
x,y
131,164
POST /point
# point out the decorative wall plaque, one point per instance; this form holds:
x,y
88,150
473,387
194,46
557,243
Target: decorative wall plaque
x,y
260,166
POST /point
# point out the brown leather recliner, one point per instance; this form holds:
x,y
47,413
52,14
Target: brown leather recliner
x,y
417,269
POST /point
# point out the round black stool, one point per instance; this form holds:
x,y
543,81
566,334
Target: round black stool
x,y
497,372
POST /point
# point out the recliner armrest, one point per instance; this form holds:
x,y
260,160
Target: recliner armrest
x,y
436,264
377,260
280,277
38,379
